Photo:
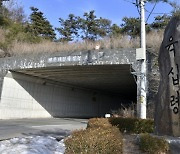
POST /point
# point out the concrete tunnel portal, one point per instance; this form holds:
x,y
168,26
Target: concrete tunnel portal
x,y
80,91
112,79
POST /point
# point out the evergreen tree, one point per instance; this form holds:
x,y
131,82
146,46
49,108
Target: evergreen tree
x,y
132,26
160,22
93,28
115,30
176,8
104,26
39,25
68,28
89,26
174,4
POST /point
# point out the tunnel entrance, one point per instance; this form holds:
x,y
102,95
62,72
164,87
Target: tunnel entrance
x,y
68,91
112,79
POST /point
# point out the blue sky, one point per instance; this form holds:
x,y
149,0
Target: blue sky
x,y
114,10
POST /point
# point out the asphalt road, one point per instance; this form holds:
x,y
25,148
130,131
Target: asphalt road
x,y
55,127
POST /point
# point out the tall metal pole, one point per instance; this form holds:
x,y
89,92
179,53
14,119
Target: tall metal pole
x,y
143,98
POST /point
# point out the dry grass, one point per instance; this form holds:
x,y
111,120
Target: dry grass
x,y
47,46
2,35
154,40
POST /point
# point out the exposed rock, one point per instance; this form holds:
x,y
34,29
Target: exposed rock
x,y
2,53
153,76
167,111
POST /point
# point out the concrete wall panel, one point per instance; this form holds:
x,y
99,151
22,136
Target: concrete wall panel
x,y
24,97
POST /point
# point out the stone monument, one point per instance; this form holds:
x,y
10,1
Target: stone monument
x,y
167,110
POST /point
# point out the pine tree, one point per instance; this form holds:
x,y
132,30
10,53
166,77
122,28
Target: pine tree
x,y
160,22
93,28
39,25
104,26
68,28
89,26
132,26
115,30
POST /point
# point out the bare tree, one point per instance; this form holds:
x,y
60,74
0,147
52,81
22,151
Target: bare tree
x,y
15,11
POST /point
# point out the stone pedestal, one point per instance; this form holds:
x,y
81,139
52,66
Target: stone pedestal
x,y
167,110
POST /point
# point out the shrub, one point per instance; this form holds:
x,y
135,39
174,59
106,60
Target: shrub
x,y
133,125
98,122
125,112
99,138
153,145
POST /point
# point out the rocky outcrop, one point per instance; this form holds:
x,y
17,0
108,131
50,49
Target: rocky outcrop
x,y
2,53
153,79
167,111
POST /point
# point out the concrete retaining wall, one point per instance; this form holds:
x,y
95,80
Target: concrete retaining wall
x,y
29,97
